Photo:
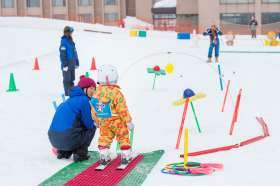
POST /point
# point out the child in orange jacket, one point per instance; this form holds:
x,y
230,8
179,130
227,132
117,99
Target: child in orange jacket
x,y
110,111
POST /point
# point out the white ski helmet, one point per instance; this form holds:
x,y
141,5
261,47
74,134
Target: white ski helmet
x,y
107,74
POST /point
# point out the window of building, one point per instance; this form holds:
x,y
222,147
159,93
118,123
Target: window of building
x,y
59,16
186,22
111,16
87,18
270,1
85,2
188,18
110,2
164,21
236,18
270,17
33,3
58,3
165,16
8,3
237,1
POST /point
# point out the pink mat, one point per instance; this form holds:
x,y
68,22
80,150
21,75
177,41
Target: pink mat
x,y
108,177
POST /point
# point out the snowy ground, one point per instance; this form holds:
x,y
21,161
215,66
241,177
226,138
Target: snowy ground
x,y
26,115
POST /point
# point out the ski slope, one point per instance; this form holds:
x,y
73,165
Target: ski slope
x,y
25,116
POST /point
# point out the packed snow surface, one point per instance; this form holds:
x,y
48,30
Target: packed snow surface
x,y
25,116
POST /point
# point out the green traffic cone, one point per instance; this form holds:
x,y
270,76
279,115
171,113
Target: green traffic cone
x,y
87,74
12,84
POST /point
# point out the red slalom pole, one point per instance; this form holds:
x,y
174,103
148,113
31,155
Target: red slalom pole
x,y
182,122
264,126
252,140
226,94
210,151
236,111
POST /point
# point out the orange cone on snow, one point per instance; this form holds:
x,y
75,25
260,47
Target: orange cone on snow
x,y
93,65
36,64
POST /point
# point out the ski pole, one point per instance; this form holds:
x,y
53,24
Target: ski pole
x,y
118,147
131,138
54,105
63,97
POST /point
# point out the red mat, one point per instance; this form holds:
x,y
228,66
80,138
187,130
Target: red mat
x,y
108,177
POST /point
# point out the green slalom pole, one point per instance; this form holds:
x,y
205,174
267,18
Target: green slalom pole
x,y
196,120
154,81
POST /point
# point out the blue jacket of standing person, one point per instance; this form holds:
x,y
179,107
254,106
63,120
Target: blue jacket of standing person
x,y
68,53
210,33
72,117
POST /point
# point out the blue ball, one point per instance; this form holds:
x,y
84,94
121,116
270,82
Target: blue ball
x,y
188,93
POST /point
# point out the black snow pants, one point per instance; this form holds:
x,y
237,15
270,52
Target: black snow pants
x,y
68,80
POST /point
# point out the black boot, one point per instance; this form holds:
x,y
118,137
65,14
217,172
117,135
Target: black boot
x,y
64,154
81,155
80,158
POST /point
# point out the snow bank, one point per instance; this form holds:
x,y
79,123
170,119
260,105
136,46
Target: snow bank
x,y
133,22
165,4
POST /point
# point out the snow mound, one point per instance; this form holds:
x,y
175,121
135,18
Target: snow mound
x,y
133,22
166,4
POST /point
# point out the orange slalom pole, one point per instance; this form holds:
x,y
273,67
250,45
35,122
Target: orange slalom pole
x,y
226,94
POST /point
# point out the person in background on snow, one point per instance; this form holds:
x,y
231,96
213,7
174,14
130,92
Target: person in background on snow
x,y
116,123
213,33
253,27
72,128
68,58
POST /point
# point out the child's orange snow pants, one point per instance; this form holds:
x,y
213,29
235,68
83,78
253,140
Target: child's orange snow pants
x,y
111,128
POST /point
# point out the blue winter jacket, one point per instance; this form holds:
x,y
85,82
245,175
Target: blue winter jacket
x,y
209,33
76,107
72,125
68,53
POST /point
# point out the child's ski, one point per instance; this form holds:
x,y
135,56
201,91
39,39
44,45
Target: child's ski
x,y
101,167
123,166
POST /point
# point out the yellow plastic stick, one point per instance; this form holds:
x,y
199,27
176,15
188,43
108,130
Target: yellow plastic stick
x,y
186,146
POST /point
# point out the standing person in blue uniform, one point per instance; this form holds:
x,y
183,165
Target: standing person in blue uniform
x,y
213,33
68,58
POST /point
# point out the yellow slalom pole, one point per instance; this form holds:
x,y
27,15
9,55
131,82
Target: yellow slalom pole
x,y
186,145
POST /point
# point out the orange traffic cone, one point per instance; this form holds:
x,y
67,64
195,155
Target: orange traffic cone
x,y
36,64
93,65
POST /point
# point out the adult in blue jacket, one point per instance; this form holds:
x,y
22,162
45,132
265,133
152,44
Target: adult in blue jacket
x,y
213,33
68,58
72,128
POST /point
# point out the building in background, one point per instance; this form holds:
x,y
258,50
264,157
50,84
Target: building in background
x,y
108,12
232,15
164,14
179,15
131,8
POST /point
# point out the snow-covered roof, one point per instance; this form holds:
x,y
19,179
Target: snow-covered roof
x,y
166,4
